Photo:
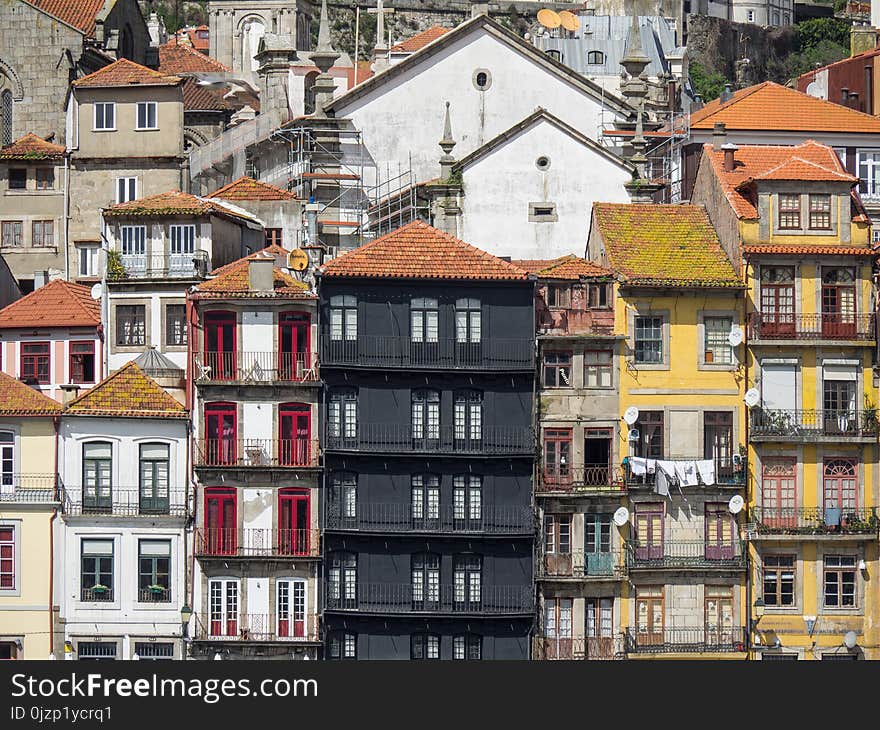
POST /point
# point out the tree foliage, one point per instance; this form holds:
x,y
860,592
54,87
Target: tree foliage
x,y
708,85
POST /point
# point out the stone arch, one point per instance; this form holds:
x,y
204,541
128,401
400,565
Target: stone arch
x,y
194,137
250,40
14,82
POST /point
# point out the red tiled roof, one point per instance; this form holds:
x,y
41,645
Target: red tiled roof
x,y
18,399
570,268
192,34
419,251
420,40
808,249
179,58
31,147
796,168
233,280
127,392
363,71
57,304
173,203
201,98
769,106
246,188
80,14
663,245
125,73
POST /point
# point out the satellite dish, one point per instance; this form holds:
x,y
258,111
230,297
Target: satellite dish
x,y
736,335
849,639
569,20
631,415
298,260
752,397
549,18
634,434
621,516
735,504
97,291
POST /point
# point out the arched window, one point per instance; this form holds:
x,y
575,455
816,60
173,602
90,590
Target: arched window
x,y
309,100
6,117
595,58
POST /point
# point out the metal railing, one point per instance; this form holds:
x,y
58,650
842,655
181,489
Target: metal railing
x,y
805,424
124,501
285,453
29,488
582,565
103,594
154,595
578,647
396,517
255,367
234,542
591,478
815,520
446,353
404,598
195,265
686,554
695,640
394,437
827,326
730,471
256,627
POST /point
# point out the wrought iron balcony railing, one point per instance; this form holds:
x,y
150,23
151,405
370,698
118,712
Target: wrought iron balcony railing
x,y
827,326
250,542
97,593
154,594
194,265
578,647
29,488
444,354
241,453
400,438
698,640
797,425
678,554
396,517
257,627
124,501
588,479
730,471
581,565
406,598
815,521
255,368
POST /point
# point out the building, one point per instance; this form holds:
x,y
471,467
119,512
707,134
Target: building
x,y
427,356
848,82
679,307
803,238
257,462
280,210
29,506
52,338
123,556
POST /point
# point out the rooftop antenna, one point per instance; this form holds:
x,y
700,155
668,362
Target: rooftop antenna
x,y
549,19
570,22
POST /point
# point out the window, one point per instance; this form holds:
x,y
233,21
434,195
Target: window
x,y
598,622
650,428
649,340
779,580
840,581
88,260
97,480
839,302
595,58
274,237
45,177
597,296
557,534
557,623
425,582
291,608
820,211
154,571
425,415
869,172
126,189
557,369
557,455
750,16
342,414
343,317
468,413
342,581
468,321
11,233
598,371
789,212
425,499
558,295
183,245
7,460
131,325
775,18
96,576
342,645
96,651
779,493
17,178
146,115
7,558
154,650
35,362
343,498
175,325
424,320
134,244
467,501
467,646
6,118
105,115
467,580
223,603
481,79
154,475
43,234
718,443
543,212
717,349
543,161
82,362
840,486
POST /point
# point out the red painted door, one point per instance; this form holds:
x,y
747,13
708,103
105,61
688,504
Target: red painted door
x,y
293,522
296,433
293,338
220,521
220,345
777,309
221,434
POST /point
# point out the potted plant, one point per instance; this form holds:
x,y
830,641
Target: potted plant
x,y
115,268
99,589
156,589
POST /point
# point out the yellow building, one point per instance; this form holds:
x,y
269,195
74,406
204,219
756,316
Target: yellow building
x,y
680,307
791,216
28,508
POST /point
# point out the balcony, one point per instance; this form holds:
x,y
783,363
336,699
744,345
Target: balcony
x,y
370,351
154,594
582,647
686,554
811,327
256,627
257,453
29,489
580,565
404,598
780,521
812,425
398,518
730,472
255,368
698,640
114,501
568,321
97,594
195,265
398,438
248,542
590,480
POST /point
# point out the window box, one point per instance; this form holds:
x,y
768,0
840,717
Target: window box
x,y
99,589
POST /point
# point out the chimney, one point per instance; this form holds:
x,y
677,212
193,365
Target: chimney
x,y
68,393
729,150
844,95
727,94
260,274
719,135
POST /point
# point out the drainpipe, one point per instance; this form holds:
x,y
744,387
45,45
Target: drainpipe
x,y
67,216
55,422
187,601
189,569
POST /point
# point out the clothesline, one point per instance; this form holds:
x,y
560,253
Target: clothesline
x,y
681,473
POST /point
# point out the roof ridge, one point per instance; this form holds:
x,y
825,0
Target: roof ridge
x,y
130,367
70,288
51,405
124,62
102,383
744,94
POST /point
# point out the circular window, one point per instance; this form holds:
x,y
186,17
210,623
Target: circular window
x,y
482,79
543,163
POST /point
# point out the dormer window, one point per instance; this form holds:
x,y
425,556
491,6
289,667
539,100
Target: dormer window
x,y
820,212
595,58
789,212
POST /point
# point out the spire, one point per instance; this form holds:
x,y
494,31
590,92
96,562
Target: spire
x,y
380,50
446,144
635,61
324,30
323,57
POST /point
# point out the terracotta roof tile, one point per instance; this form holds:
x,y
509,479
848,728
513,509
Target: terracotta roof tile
x,y
419,251
57,304
179,58
18,399
125,73
246,188
420,40
80,14
808,249
797,168
174,203
127,392
233,280
31,147
663,245
570,268
769,106
201,98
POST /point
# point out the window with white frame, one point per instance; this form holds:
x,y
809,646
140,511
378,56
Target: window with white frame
x,y
342,645
425,569
134,241
342,580
96,574
467,646
343,486
126,189
223,607
147,115
290,608
183,239
425,497
468,416
717,349
7,461
869,171
424,320
97,467
130,324
467,498
425,415
424,646
154,571
342,414
343,317
468,321
648,340
154,479
105,115
88,257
